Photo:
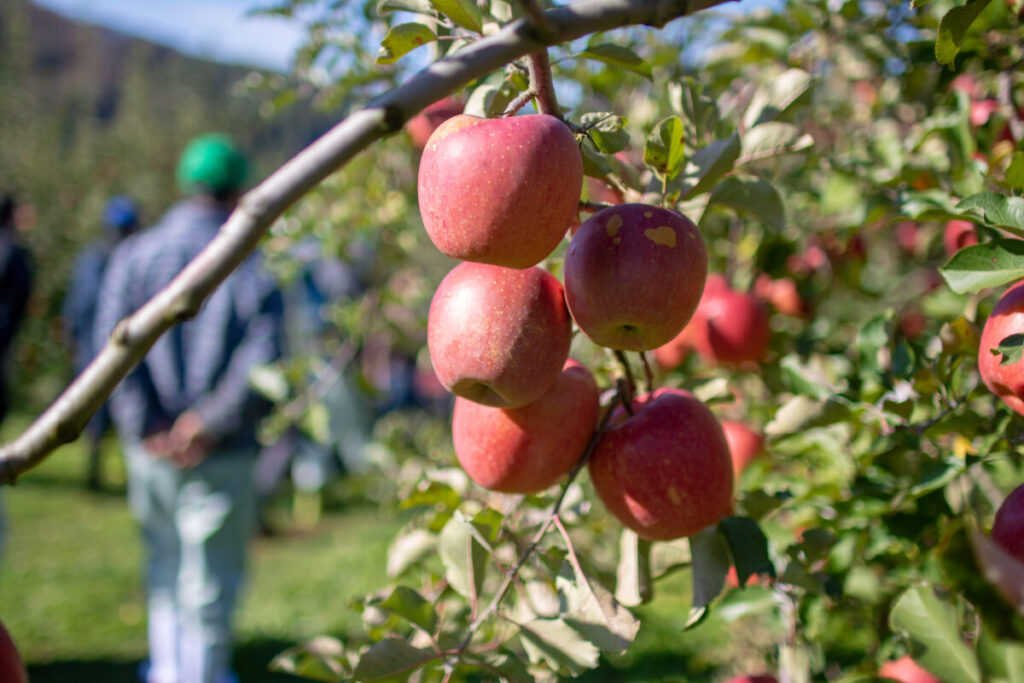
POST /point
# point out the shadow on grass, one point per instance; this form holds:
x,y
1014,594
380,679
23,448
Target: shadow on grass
x,y
250,663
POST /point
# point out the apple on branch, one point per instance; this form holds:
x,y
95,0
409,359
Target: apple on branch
x,y
500,191
634,274
1006,320
529,448
498,336
423,125
665,470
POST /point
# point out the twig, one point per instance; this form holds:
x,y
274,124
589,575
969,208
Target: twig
x,y
63,421
542,84
510,577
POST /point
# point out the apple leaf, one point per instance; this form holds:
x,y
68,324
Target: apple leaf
x,y
606,130
690,99
633,584
997,210
918,4
320,659
463,557
618,56
985,265
408,549
411,606
413,6
752,195
748,546
664,150
953,29
465,13
490,100
1000,660
771,139
709,163
1015,172
774,98
710,557
933,629
591,609
392,659
558,644
1010,348
402,39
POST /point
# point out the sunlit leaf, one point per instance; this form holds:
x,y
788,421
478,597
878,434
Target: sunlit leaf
x,y
664,150
465,13
411,606
401,39
980,266
392,659
933,628
997,210
619,57
953,29
591,609
751,195
775,97
463,557
711,563
633,584
707,165
557,643
1015,172
408,549
771,139
606,130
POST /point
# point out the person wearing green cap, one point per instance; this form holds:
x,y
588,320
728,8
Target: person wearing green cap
x,y
187,419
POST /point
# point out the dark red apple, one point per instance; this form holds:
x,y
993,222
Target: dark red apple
x,y
957,234
498,336
1006,319
500,191
781,294
906,670
423,125
12,668
745,444
731,327
1008,527
672,353
527,449
664,471
634,274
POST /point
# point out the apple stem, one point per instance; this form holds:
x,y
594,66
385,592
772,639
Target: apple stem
x,y
630,380
648,374
542,84
513,573
593,207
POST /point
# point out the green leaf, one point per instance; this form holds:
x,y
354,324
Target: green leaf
x,y
633,583
557,643
392,659
435,494
490,100
618,56
402,39
1010,348
774,98
1002,660
771,139
953,29
981,266
664,151
411,606
748,546
752,195
320,659
710,556
997,210
413,6
465,13
918,4
1015,172
463,557
408,549
591,609
595,164
709,163
932,626
606,130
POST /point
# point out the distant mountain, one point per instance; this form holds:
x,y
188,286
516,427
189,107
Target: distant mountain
x,y
87,113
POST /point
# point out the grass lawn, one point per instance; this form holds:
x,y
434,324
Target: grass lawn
x,y
71,587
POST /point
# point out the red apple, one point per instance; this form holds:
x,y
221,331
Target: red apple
x,y
664,471
500,191
12,668
1008,527
498,336
731,327
527,449
422,126
1006,319
958,234
671,354
906,670
981,111
907,237
781,294
744,444
634,274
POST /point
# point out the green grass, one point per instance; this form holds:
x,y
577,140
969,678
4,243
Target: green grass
x,y
71,584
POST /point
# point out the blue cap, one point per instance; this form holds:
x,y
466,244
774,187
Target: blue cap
x,y
121,213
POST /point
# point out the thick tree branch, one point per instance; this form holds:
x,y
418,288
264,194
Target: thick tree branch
x,y
240,235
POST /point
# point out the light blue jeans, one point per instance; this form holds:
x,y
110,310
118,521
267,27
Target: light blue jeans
x,y
196,525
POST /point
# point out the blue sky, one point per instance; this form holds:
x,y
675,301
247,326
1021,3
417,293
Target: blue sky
x,y
216,29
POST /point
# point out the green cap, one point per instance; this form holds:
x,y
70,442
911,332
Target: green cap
x,y
211,164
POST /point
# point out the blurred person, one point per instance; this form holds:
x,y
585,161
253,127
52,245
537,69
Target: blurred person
x,y
120,219
16,273
187,420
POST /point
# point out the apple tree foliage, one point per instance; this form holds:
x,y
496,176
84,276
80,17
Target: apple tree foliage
x,y
823,142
